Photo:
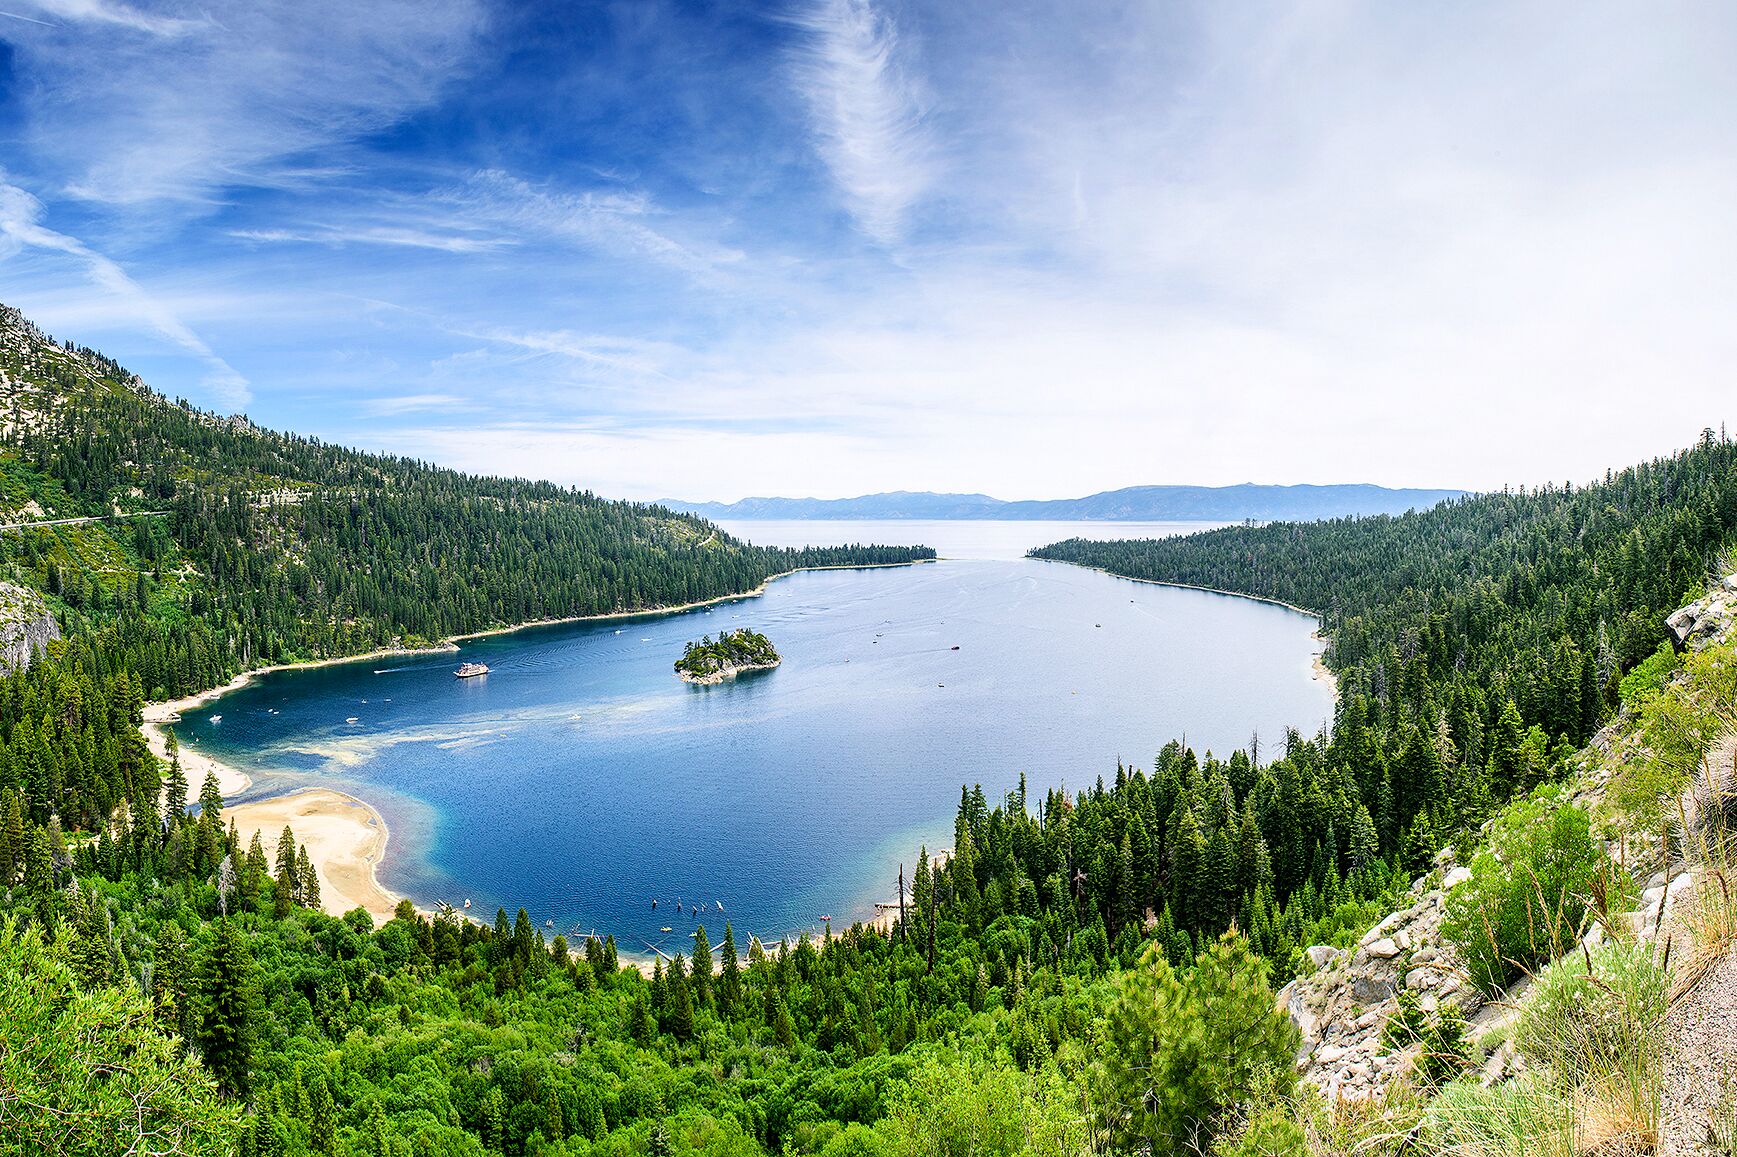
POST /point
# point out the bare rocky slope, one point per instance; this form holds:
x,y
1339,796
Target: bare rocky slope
x,y
1343,1006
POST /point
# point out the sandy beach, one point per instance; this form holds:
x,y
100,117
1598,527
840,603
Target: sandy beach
x,y
345,839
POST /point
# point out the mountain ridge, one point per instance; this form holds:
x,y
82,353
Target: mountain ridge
x,y
1246,500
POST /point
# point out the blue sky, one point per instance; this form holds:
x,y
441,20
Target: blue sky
x,y
833,246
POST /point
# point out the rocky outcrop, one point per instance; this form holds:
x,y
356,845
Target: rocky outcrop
x,y
1342,1008
26,627
1707,620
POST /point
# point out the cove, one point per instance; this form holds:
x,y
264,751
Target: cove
x,y
582,780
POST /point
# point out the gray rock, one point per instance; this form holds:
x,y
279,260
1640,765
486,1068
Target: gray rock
x,y
26,627
1707,620
1383,949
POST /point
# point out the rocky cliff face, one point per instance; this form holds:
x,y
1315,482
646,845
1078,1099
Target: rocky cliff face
x,y
26,627
1706,620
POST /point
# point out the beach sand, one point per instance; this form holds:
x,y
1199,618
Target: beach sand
x,y
195,764
345,839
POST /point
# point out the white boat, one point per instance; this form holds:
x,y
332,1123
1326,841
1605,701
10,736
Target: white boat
x,y
217,719
471,670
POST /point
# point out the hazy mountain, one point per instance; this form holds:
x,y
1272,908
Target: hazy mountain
x,y
1134,503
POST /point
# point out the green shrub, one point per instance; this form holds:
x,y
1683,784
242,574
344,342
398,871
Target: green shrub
x,y
1439,1036
1591,1032
1184,1052
1527,897
1647,678
955,1106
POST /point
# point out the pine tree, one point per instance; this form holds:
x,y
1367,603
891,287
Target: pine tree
x,y
12,841
288,878
253,874
1188,855
701,976
493,1120
172,981
680,1016
175,785
554,1124
230,1007
730,976
310,879
639,1022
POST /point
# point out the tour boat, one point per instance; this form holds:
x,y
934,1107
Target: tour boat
x,y
471,670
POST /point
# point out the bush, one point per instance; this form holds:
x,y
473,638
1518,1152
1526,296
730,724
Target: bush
x,y
1439,1036
1647,678
958,1107
1592,1033
1527,897
1184,1052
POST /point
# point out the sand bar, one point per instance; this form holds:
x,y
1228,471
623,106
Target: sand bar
x,y
345,839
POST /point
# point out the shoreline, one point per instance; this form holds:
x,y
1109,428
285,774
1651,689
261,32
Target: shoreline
x,y
1318,665
346,849
717,677
345,838
670,610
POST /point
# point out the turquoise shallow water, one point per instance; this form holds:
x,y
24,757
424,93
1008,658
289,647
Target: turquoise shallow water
x,y
582,780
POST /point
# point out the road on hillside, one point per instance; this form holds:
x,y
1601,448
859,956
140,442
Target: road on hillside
x,y
76,521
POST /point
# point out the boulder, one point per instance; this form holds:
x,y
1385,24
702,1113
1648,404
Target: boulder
x,y
1709,619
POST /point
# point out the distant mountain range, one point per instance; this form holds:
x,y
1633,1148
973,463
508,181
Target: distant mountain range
x,y
1133,504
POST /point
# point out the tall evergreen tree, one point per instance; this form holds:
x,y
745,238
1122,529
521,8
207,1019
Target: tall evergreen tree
x,y
230,1009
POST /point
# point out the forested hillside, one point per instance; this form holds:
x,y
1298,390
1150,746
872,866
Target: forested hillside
x,y
1457,630
1080,973
272,547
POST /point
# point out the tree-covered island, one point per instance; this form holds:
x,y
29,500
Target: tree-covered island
x,y
734,652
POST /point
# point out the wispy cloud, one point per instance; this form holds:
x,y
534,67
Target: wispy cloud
x,y
409,238
174,111
391,407
21,225
617,222
867,110
121,15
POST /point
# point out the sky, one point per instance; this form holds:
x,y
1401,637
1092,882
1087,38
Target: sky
x,y
829,247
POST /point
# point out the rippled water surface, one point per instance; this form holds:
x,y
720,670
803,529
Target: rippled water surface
x,y
582,780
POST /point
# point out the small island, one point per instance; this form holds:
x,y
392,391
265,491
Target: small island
x,y
732,653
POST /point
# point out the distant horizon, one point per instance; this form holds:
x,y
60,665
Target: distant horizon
x,y
895,491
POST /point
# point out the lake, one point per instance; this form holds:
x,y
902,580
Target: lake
x,y
581,779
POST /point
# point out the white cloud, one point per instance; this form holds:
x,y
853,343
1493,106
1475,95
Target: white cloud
x,y
409,238
391,407
867,109
196,104
616,222
121,15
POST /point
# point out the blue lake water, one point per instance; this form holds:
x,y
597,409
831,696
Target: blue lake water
x,y
581,779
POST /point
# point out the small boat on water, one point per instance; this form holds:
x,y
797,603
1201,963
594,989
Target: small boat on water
x,y
471,670
217,719
352,719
